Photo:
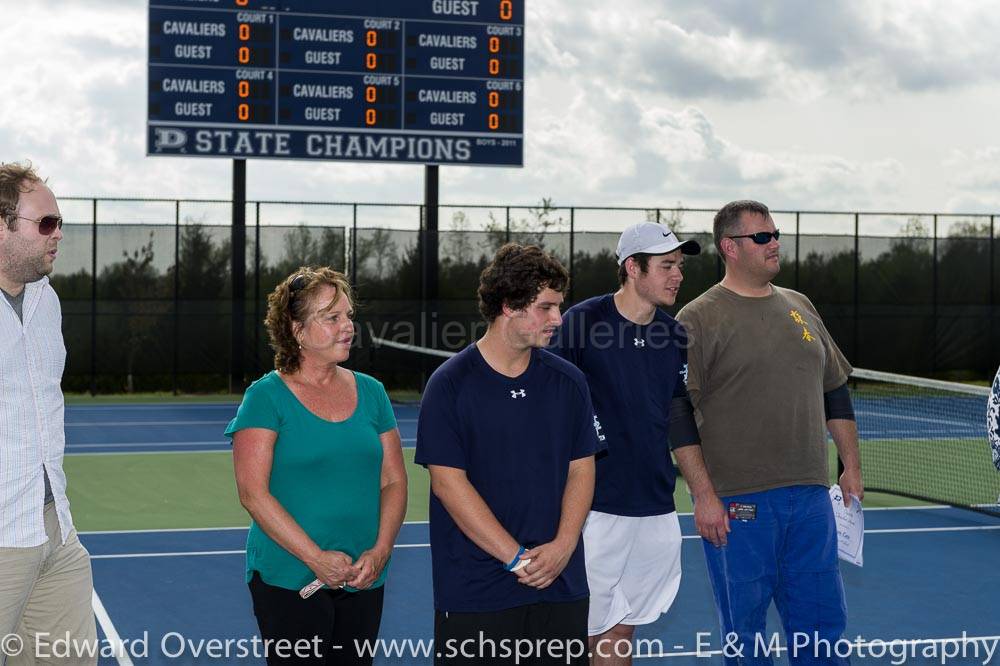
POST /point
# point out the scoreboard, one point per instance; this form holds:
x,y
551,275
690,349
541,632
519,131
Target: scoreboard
x,y
419,81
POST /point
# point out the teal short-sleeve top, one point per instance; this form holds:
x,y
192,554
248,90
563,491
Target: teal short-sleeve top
x,y
326,474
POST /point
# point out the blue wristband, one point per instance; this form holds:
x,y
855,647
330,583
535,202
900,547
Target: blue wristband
x,y
517,558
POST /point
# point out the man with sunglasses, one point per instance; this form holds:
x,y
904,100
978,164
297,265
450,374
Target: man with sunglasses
x,y
767,381
45,576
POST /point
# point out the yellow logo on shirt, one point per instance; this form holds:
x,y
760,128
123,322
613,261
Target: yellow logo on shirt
x,y
797,318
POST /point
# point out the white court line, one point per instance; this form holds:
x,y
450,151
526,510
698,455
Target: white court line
x,y
150,445
169,529
875,508
426,522
201,529
932,507
965,640
903,435
921,419
109,630
910,530
172,452
427,545
191,553
125,406
105,424
121,556
978,528
929,426
909,508
145,445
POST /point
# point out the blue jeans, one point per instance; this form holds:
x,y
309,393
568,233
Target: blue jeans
x,y
782,548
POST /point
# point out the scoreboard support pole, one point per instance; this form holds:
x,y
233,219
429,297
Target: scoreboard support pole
x,y
239,274
430,254
429,261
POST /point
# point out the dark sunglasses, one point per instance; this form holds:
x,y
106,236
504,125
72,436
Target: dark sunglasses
x,y
47,224
761,237
298,283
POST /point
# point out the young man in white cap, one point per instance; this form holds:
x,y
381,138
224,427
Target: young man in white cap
x,y
634,357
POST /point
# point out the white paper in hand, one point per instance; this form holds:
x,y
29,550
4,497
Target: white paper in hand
x,y
850,527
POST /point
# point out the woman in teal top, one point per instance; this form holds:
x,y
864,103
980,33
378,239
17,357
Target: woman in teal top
x,y
319,467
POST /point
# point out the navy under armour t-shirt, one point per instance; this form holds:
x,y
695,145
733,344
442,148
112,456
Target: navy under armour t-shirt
x,y
634,371
515,438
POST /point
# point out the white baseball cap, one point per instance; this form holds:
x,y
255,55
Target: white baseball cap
x,y
651,238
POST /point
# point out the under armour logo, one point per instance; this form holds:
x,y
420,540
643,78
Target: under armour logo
x,y
684,374
597,429
639,342
518,394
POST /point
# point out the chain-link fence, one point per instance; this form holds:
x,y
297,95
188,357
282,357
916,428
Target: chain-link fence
x,y
147,292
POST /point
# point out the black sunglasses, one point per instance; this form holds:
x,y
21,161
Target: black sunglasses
x,y
47,224
298,283
761,237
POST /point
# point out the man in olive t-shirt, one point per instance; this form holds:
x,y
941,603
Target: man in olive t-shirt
x,y
767,381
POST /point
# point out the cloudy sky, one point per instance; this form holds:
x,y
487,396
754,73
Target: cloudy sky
x,y
886,105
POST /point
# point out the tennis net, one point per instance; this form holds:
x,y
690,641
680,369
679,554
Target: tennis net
x,y
925,439
919,438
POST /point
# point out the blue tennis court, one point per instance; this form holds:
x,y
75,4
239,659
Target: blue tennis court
x,y
158,428
178,596
925,579
912,418
136,428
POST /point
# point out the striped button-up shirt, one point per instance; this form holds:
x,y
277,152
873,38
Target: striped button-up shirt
x,y
32,437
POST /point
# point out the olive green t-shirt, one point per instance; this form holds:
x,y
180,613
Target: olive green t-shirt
x,y
757,372
326,474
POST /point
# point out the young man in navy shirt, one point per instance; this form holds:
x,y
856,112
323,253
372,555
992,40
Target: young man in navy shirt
x,y
507,431
635,360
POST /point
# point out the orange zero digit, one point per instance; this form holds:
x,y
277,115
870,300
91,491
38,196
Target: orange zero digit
x,y
243,112
370,117
494,121
370,94
241,3
371,61
494,44
371,38
494,66
244,32
506,10
243,55
494,99
243,89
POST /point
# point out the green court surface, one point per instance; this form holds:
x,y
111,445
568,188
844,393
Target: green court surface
x,y
957,468
175,490
185,490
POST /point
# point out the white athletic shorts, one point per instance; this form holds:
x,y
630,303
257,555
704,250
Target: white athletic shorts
x,y
633,568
